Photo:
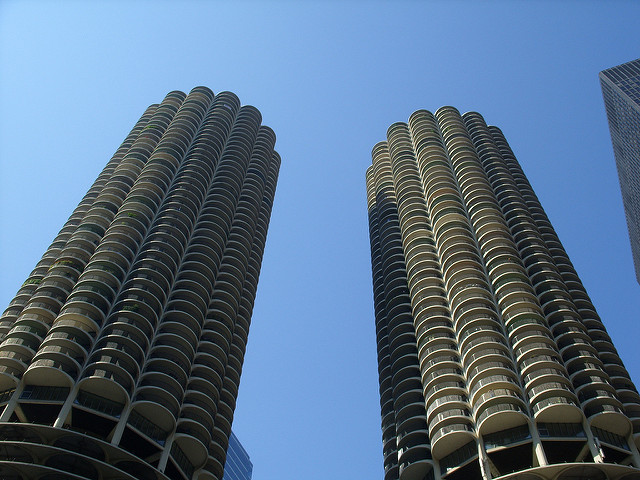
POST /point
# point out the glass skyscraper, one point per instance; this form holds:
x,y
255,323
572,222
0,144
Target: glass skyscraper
x,y
120,355
621,93
492,360
238,466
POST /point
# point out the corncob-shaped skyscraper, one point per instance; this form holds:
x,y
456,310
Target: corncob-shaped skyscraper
x,y
120,356
492,359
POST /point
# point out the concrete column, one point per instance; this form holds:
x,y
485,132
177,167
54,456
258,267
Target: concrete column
x,y
635,455
119,430
537,445
594,447
485,468
66,408
11,406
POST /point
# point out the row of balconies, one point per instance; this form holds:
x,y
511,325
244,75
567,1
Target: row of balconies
x,y
144,298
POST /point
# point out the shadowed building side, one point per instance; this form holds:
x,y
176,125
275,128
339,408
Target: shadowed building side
x,y
121,354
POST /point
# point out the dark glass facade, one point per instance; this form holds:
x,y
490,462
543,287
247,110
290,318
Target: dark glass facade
x,y
621,93
238,465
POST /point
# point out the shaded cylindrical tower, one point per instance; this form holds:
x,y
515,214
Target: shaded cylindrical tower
x,y
492,359
120,356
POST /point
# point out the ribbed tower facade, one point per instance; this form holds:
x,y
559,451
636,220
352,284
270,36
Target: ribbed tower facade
x,y
493,362
120,355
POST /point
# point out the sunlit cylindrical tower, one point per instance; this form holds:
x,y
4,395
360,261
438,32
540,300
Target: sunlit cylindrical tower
x,y
120,355
493,362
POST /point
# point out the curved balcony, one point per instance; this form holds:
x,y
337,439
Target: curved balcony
x,y
492,382
44,307
131,345
464,290
163,256
190,446
499,365
223,420
412,451
91,306
459,256
453,233
575,351
428,325
401,331
29,326
137,313
442,403
109,369
52,372
599,398
222,316
545,371
213,469
157,429
102,395
502,415
213,222
413,422
63,349
176,336
502,263
240,240
167,233
232,378
161,389
224,302
212,354
169,363
206,245
440,377
104,268
449,437
527,349
403,373
445,359
190,291
199,382
196,423
524,318
144,287
423,271
209,374
194,270
488,223
532,335
201,416
12,367
513,298
205,403
485,346
432,343
181,201
21,344
473,308
471,333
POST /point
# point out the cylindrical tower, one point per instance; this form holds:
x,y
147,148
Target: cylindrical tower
x,y
121,354
475,295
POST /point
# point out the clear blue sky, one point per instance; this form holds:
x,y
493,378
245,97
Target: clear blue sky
x,y
329,78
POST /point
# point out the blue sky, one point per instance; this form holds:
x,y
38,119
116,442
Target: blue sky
x,y
329,77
